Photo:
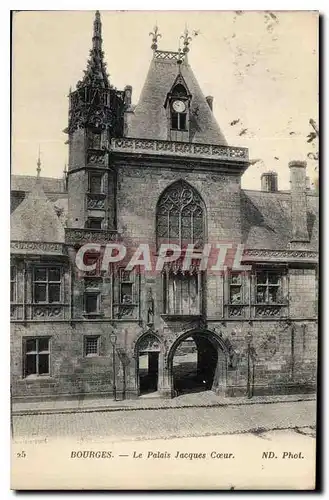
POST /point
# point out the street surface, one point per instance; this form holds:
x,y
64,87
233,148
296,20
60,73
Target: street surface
x,y
168,423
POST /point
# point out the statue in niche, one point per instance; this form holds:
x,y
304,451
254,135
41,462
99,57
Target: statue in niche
x,y
150,307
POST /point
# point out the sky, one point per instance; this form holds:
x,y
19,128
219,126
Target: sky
x,y
260,67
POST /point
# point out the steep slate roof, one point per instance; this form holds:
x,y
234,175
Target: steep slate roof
x,y
35,219
149,120
266,219
26,183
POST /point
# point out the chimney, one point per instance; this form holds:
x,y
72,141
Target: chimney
x,y
210,101
298,201
269,181
127,96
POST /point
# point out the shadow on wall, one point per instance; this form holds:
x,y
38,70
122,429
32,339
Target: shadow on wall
x,y
251,217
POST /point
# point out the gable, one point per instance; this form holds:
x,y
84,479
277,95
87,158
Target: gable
x,y
149,120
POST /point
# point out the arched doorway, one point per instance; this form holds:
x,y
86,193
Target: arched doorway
x,y
148,352
196,363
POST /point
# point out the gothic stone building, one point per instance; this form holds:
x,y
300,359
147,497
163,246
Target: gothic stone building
x,y
161,170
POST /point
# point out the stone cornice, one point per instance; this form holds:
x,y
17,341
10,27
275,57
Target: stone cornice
x,y
36,247
255,254
81,236
184,150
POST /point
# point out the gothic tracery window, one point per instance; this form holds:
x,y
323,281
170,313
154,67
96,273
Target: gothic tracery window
x,y
180,215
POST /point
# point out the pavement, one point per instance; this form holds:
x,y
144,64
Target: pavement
x,y
121,425
149,402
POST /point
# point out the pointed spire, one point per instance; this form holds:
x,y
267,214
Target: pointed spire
x,y
38,165
96,74
65,177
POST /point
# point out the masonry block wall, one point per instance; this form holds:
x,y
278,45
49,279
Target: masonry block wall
x,y
76,200
139,190
302,293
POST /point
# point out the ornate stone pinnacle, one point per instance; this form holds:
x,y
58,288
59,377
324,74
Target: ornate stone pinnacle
x,y
97,34
95,74
38,164
155,35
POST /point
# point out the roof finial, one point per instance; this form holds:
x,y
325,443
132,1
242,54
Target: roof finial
x,y
38,164
97,35
186,40
155,35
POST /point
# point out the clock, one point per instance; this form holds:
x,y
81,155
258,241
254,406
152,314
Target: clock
x,y
179,106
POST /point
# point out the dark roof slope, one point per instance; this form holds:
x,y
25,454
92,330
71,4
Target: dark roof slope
x,y
35,219
27,182
149,120
266,219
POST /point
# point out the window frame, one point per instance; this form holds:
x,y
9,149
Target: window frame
x,y
89,219
131,281
165,215
47,282
85,344
179,120
13,282
99,175
267,285
37,354
239,285
168,280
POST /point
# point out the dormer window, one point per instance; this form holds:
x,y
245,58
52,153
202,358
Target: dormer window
x,y
178,104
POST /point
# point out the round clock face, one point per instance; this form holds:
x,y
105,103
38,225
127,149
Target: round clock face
x,y
179,106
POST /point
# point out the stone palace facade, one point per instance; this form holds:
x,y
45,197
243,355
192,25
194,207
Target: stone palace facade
x,y
159,171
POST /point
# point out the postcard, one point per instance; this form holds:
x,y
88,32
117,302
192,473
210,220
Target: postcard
x,y
164,250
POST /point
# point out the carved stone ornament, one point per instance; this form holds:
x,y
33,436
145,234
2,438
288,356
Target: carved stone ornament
x,y
282,254
81,236
37,246
47,311
149,343
169,147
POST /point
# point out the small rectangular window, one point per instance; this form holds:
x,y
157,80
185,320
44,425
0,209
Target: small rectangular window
x,y
92,302
127,284
126,293
95,183
174,121
182,121
235,289
178,121
47,284
268,287
94,223
92,346
36,358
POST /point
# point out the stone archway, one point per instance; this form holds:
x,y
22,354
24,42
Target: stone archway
x,y
148,349
211,371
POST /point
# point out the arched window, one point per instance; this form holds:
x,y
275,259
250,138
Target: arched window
x,y
180,215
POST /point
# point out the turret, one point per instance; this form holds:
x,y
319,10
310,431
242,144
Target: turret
x,y
96,111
